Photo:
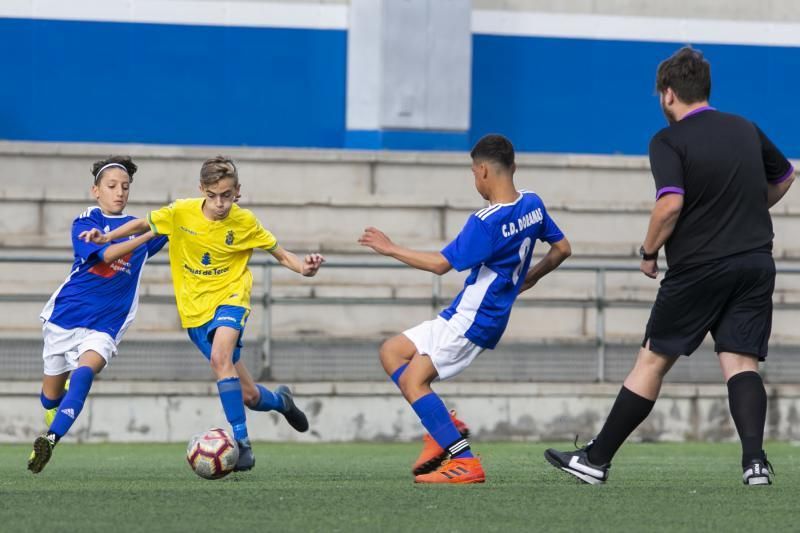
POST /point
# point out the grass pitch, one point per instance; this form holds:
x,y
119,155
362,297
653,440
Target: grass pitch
x,y
368,487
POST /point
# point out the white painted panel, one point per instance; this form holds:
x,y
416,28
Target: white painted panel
x,y
404,51
624,28
449,65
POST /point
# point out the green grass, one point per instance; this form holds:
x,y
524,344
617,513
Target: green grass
x,y
368,487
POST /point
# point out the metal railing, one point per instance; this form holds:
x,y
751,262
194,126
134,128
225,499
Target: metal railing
x,y
266,300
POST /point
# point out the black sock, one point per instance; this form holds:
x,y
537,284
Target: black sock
x,y
628,412
748,402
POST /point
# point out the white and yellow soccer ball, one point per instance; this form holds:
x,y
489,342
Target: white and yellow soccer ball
x,y
212,454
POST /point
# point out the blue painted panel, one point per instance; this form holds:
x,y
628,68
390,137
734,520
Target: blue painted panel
x,y
173,84
590,96
155,83
407,140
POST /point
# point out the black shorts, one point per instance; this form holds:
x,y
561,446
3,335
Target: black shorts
x,y
731,298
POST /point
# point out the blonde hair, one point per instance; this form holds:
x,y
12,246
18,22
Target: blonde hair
x,y
218,168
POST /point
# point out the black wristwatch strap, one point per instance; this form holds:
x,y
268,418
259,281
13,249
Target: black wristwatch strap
x,y
646,256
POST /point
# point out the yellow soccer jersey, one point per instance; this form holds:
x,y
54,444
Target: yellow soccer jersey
x,y
208,258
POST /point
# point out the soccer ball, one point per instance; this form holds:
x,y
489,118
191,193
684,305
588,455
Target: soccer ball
x,y
212,454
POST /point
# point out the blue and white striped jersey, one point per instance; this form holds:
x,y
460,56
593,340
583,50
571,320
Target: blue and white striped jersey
x,y
95,295
497,244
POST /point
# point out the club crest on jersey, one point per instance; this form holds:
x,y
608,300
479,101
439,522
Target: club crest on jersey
x,y
229,238
206,259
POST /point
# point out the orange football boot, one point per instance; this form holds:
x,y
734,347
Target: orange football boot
x,y
459,470
432,454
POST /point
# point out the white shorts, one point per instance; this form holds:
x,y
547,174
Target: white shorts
x,y
450,352
64,347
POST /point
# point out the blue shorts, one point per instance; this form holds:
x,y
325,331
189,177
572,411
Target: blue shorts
x,y
231,316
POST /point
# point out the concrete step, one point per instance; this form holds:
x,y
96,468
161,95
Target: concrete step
x,y
549,320
336,228
295,177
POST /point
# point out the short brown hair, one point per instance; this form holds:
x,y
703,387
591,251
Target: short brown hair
x,y
218,168
687,73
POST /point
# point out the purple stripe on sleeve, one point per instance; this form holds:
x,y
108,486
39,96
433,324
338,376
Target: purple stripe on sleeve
x,y
784,177
668,190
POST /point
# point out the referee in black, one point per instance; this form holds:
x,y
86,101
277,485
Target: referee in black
x,y
716,177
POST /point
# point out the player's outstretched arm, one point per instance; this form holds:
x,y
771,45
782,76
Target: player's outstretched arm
x,y
133,227
308,267
556,255
430,261
115,251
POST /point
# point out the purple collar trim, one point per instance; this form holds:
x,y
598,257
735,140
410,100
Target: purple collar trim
x,y
699,110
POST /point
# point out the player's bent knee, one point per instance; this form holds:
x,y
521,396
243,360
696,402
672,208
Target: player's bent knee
x,y
250,397
387,353
392,352
221,361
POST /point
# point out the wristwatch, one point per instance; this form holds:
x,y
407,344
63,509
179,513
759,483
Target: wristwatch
x,y
647,257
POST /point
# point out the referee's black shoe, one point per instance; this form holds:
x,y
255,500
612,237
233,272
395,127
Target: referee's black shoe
x,y
577,464
758,472
296,418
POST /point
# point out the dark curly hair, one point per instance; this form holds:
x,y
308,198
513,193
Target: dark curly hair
x,y
124,161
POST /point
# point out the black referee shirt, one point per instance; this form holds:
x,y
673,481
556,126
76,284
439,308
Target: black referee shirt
x,y
721,163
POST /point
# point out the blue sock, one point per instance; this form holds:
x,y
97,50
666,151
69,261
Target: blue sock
x,y
72,404
230,394
268,401
434,416
48,403
397,373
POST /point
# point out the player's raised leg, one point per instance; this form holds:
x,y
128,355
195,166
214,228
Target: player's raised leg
x,y
91,363
259,398
229,386
395,354
414,383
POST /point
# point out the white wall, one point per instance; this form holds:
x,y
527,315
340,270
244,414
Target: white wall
x,y
745,10
341,412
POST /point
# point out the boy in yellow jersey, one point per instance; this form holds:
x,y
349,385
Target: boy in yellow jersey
x,y
211,240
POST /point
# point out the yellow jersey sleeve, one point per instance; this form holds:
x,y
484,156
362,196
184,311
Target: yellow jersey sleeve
x,y
261,238
257,236
161,220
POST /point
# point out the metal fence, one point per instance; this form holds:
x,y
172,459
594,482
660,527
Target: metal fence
x,y
347,359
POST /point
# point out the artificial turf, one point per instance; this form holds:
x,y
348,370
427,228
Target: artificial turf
x,y
368,487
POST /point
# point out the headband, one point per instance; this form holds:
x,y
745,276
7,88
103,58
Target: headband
x,y
97,176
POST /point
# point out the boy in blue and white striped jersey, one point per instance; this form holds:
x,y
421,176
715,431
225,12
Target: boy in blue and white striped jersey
x,y
496,245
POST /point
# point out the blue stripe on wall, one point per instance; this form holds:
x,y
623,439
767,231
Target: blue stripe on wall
x,y
171,84
175,84
591,96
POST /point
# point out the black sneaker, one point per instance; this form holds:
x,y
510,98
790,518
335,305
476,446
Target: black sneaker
x,y
577,463
296,418
42,451
758,472
247,458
